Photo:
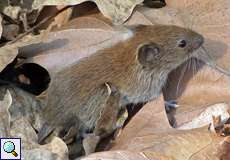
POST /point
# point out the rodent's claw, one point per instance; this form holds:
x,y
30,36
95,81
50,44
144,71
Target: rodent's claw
x,y
172,104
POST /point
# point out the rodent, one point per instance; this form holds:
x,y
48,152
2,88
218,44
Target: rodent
x,y
137,68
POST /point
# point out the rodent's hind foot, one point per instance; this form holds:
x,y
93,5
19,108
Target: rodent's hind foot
x,y
171,104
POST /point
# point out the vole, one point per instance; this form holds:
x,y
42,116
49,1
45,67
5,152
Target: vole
x,y
137,68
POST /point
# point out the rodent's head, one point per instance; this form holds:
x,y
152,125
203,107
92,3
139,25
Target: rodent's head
x,y
167,46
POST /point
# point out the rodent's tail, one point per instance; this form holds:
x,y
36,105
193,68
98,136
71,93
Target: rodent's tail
x,y
44,132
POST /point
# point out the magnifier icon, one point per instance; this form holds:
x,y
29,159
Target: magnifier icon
x,y
9,147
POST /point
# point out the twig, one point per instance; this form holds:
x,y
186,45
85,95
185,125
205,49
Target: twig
x,y
8,18
38,25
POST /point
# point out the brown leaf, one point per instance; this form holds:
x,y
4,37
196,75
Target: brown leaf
x,y
149,135
23,129
0,26
149,132
25,105
223,150
96,21
58,147
195,91
73,44
9,51
5,115
23,115
206,116
60,20
117,10
125,155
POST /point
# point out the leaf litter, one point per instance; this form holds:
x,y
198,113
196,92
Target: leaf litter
x,y
148,135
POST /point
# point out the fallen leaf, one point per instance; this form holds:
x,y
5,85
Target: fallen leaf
x,y
223,150
18,117
63,17
0,26
73,44
25,105
125,155
5,115
9,51
59,20
39,154
205,118
195,90
22,128
58,147
94,21
11,11
149,136
117,10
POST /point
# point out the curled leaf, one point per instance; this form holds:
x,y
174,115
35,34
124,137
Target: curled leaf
x,y
117,10
9,51
0,26
5,115
205,118
73,44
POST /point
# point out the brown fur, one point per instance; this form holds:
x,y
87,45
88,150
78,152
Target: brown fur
x,y
78,92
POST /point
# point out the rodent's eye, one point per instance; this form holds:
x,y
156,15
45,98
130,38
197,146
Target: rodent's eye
x,y
182,43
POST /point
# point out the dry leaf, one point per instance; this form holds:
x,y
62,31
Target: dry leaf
x,y
5,115
125,155
0,26
73,44
149,136
58,147
23,129
39,154
205,118
11,11
195,91
117,10
60,20
223,150
25,105
88,22
9,51
19,114
63,17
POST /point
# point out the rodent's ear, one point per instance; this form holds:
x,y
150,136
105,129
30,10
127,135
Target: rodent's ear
x,y
148,54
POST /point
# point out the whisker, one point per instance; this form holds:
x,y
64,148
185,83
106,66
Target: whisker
x,y
194,66
181,77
